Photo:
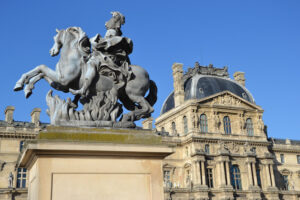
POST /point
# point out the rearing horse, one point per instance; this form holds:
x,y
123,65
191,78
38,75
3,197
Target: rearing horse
x,y
74,48
72,44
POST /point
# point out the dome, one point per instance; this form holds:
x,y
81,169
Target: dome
x,y
200,86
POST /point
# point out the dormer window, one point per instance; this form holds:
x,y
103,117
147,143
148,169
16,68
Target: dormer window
x,y
244,95
201,91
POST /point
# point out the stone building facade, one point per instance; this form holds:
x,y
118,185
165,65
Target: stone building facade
x,y
13,134
222,150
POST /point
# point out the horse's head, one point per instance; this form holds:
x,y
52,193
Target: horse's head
x,y
58,42
72,37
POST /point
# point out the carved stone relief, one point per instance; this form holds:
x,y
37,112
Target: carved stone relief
x,y
226,100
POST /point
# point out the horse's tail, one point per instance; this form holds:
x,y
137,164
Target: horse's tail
x,y
152,96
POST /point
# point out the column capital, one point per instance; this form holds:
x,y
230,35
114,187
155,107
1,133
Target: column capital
x,y
222,159
267,162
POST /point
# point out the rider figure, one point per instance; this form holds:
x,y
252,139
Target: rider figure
x,y
109,56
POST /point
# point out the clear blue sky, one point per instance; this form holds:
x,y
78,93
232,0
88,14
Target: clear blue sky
x,y
260,38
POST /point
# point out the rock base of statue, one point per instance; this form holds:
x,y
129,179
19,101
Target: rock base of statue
x,y
96,113
90,163
76,123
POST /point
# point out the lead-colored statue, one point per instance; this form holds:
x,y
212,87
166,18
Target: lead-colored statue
x,y
99,73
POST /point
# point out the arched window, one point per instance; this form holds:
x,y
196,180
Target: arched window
x,y
249,127
235,174
185,125
203,123
227,126
173,128
163,129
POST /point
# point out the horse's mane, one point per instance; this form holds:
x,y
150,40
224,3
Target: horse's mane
x,y
84,44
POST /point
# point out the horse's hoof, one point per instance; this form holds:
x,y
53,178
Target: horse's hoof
x,y
18,87
27,94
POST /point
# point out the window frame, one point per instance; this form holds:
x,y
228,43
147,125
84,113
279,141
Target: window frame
x,y
209,177
227,125
282,159
21,177
236,179
258,176
298,159
167,182
203,123
249,127
21,145
285,182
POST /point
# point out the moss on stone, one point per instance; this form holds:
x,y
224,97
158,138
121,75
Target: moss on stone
x,y
121,136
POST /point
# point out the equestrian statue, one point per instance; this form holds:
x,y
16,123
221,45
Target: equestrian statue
x,y
98,72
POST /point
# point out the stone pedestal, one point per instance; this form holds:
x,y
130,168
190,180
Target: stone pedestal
x,y
71,163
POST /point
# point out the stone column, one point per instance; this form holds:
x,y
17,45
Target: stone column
x,y
250,174
35,116
267,175
9,111
194,173
147,123
254,174
222,173
227,173
197,172
219,173
272,175
203,173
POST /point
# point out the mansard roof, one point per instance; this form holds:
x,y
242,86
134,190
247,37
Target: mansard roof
x,y
203,81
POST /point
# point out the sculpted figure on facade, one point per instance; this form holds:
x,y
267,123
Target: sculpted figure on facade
x,y
99,73
217,122
195,120
10,180
223,148
242,123
206,70
261,125
247,148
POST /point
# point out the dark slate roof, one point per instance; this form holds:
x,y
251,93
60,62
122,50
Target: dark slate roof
x,y
200,86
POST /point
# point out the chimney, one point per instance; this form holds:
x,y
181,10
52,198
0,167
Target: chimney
x,y
239,77
178,83
9,111
147,123
35,116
